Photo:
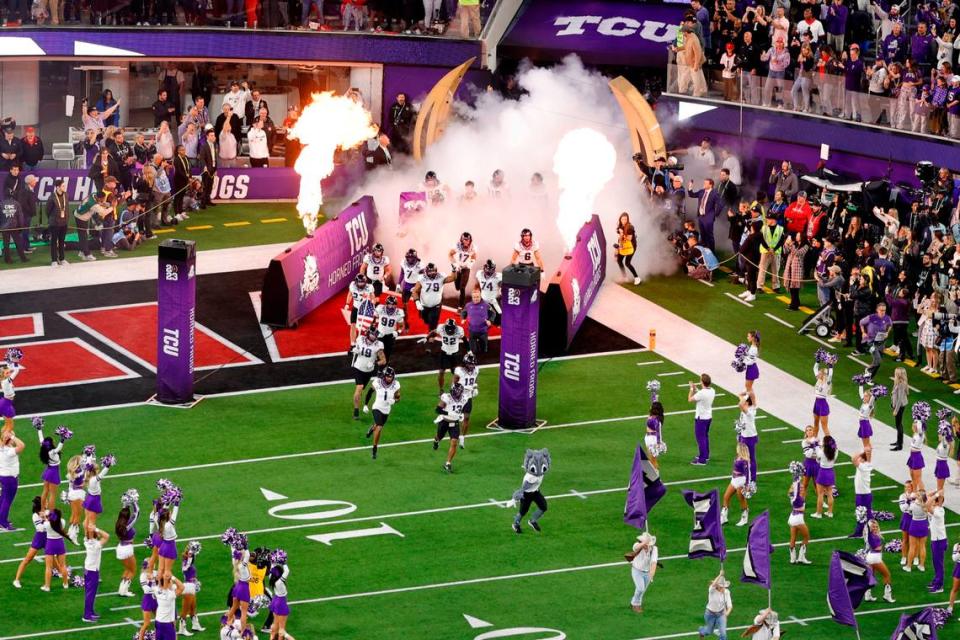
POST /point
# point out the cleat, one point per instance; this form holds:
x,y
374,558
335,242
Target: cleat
x,y
447,468
356,414
534,525
365,409
373,454
436,445
369,432
516,527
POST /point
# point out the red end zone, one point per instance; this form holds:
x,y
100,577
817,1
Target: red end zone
x,y
28,325
132,330
325,332
61,363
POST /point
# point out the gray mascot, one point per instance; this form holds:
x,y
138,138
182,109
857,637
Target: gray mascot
x,y
536,463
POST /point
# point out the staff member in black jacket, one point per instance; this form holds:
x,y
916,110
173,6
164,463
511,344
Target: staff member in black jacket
x,y
164,109
181,178
57,214
29,205
208,162
380,155
102,167
750,250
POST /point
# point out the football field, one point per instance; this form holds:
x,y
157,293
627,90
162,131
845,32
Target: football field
x,y
395,548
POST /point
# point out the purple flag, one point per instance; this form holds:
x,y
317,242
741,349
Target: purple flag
x,y
919,626
706,539
645,490
756,561
849,579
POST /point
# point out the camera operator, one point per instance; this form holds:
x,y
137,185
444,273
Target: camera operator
x,y
693,260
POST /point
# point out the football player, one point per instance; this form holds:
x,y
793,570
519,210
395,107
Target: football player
x,y
450,413
389,320
367,356
462,258
450,337
358,291
527,251
428,294
466,374
489,279
410,271
386,389
376,267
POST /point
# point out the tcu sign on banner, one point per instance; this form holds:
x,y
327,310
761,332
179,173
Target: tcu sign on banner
x,y
315,269
176,309
599,32
519,347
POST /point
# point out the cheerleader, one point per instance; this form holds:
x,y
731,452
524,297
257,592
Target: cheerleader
x,y
874,541
898,403
739,479
167,591
919,531
863,497
825,477
126,533
798,525
50,457
166,527
54,550
942,470
241,587
76,474
188,608
753,351
154,530
654,435
956,578
955,422
39,538
278,605
867,406
938,541
93,503
748,428
148,605
811,457
821,408
7,394
915,461
904,501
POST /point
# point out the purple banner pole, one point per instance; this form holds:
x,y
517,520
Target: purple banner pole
x,y
176,308
519,347
316,268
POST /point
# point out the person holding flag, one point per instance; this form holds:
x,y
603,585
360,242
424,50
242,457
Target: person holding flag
x,y
719,606
644,491
766,626
849,579
359,291
874,557
643,567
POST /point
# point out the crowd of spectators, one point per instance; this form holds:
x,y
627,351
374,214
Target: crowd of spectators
x,y
457,17
838,243
872,62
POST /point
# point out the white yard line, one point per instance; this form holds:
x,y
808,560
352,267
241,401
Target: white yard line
x,y
944,404
736,299
832,347
781,321
643,364
774,429
704,282
321,452
671,373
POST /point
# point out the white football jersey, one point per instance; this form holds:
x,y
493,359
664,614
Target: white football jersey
x,y
467,378
489,287
385,395
464,257
411,273
359,294
365,354
450,345
388,324
376,269
454,407
526,254
431,289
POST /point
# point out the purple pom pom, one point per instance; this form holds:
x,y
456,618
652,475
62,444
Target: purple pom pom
x,y
108,460
76,581
37,423
894,546
228,536
63,432
164,485
171,497
944,414
279,556
921,412
90,451
14,354
861,379
879,391
148,542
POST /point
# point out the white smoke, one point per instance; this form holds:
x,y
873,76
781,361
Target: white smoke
x,y
520,138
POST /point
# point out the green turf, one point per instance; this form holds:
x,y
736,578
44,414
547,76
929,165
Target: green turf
x,y
217,237
710,309
595,409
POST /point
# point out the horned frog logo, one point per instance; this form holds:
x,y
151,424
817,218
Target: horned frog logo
x,y
575,287
311,276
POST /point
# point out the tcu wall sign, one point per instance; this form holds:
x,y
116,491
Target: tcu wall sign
x,y
616,27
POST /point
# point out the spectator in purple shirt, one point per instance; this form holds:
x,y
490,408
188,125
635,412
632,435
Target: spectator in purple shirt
x,y
477,313
894,47
852,82
953,108
836,24
921,48
703,17
875,327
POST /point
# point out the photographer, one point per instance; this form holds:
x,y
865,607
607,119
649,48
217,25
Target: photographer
x,y
692,258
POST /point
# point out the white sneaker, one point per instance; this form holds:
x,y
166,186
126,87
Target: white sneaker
x,y
816,515
906,568
637,280
903,561
64,263
196,625
460,440
922,569
17,585
54,264
750,298
829,514
744,294
743,518
869,597
45,588
916,561
89,258
888,593
723,515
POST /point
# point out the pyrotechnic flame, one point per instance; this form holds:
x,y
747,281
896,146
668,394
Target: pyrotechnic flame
x,y
584,163
328,123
